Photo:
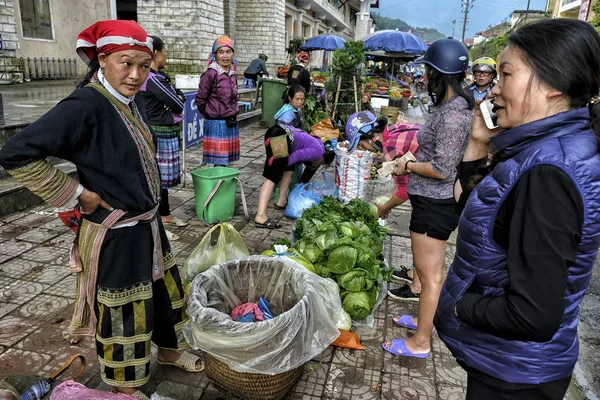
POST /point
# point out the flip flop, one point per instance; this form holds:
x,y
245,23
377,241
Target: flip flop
x,y
186,362
399,349
176,222
268,224
171,236
406,321
279,208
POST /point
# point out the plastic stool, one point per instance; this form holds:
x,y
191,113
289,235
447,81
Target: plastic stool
x,y
249,83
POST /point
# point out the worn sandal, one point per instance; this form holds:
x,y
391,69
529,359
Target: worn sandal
x,y
138,394
176,222
268,224
279,208
398,348
171,236
186,362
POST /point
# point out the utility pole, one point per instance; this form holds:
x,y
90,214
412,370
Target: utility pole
x,y
465,20
453,27
527,11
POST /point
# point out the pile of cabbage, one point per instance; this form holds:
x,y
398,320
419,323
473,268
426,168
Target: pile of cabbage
x,y
345,243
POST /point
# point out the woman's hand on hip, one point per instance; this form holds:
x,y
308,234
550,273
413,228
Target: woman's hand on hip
x,y
90,201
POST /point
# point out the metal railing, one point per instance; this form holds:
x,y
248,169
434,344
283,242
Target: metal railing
x,y
39,68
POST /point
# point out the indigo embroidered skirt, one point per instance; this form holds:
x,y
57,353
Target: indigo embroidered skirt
x,y
167,154
133,310
221,144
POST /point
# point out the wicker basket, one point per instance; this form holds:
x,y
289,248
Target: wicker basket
x,y
251,386
391,113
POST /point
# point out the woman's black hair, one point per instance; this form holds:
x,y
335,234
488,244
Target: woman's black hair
x,y
157,44
565,55
439,83
93,67
289,94
329,152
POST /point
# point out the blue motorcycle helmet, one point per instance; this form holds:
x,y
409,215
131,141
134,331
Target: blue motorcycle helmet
x,y
359,124
448,56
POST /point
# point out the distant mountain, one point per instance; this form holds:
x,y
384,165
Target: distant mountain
x,y
383,23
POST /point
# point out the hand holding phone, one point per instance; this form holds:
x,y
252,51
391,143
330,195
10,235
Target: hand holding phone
x,y
487,110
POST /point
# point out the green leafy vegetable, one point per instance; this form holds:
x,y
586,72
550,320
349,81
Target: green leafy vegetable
x,y
352,281
342,259
357,305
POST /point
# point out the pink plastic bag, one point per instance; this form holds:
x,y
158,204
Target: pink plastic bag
x,y
247,308
70,390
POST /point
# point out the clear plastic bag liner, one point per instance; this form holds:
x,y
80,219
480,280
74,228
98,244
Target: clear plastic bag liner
x,y
306,308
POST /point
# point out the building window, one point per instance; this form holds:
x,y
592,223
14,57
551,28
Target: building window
x,y
35,19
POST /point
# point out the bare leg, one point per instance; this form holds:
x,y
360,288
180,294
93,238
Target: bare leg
x,y
429,257
263,201
283,188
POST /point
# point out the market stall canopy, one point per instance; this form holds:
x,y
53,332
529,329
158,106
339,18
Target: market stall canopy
x,y
380,55
394,42
323,42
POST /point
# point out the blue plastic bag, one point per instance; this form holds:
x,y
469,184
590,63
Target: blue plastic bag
x,y
327,187
300,199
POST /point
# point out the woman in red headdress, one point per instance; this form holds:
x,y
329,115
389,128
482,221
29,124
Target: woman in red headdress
x,y
129,292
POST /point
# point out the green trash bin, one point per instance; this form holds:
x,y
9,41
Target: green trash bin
x,y
272,92
221,206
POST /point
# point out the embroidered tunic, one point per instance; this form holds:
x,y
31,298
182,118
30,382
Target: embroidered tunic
x,y
128,291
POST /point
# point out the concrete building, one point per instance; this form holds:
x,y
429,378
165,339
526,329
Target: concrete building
x,y
47,31
521,17
564,8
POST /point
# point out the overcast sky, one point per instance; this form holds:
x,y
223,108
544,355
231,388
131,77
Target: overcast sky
x,y
439,14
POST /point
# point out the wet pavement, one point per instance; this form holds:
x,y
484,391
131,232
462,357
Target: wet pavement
x,y
26,102
37,295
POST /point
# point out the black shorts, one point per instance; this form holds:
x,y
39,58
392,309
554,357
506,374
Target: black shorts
x,y
274,172
434,217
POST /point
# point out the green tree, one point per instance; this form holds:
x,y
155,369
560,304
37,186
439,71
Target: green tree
x,y
596,21
384,23
345,66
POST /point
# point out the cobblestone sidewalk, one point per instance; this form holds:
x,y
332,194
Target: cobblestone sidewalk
x,y
37,294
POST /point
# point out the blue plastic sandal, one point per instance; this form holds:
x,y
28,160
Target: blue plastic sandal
x,y
399,349
405,321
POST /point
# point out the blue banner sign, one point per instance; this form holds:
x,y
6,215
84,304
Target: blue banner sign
x,y
193,122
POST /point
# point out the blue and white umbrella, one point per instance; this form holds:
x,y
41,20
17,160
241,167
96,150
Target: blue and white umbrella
x,y
323,42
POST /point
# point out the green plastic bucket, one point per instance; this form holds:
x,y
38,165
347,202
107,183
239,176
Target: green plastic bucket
x,y
222,205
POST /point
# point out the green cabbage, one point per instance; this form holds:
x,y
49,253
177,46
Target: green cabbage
x,y
357,305
342,259
352,281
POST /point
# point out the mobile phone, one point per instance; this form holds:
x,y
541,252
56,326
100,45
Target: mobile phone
x,y
491,119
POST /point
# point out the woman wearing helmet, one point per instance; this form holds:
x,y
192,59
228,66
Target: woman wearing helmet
x,y
442,142
298,74
484,72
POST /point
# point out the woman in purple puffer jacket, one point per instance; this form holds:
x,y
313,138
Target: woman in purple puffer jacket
x,y
285,147
217,102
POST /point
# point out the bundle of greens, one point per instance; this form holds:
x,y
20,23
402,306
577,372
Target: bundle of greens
x,y
345,243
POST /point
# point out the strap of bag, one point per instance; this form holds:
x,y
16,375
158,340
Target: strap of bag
x,y
214,191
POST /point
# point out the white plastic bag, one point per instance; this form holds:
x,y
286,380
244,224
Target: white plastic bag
x,y
229,246
306,309
352,172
